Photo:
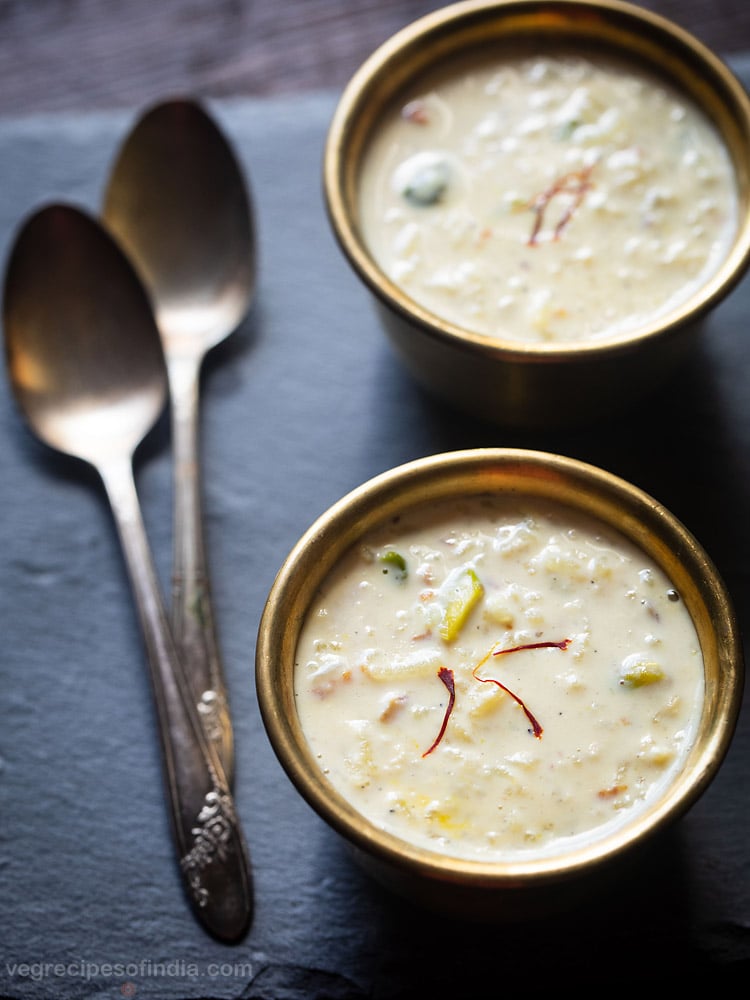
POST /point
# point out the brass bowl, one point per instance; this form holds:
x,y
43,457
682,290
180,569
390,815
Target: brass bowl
x,y
495,378
530,887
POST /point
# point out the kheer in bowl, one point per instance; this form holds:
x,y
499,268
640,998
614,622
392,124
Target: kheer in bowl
x,y
545,199
496,672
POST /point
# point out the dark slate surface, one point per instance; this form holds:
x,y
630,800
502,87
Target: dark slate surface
x,y
303,404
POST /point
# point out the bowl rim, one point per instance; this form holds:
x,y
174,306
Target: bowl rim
x,y
568,481
619,15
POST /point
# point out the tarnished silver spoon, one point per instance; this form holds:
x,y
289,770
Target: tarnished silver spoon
x,y
178,204
87,370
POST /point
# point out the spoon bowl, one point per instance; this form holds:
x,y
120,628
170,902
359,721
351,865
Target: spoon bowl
x,y
76,401
86,366
178,204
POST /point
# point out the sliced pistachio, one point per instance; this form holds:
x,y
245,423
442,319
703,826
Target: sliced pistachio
x,y
638,671
424,179
460,593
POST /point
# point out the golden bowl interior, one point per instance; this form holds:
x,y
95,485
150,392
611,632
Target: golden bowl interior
x,y
564,481
626,30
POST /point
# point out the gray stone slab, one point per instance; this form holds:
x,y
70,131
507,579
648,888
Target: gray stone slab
x,y
303,404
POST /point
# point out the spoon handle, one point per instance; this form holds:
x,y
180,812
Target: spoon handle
x,y
193,623
211,847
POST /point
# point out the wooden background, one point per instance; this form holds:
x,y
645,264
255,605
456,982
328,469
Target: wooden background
x,y
62,55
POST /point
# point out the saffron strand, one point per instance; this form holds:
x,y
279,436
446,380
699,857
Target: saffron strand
x,y
535,725
446,676
576,183
562,644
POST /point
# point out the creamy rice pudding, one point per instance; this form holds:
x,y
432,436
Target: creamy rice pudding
x,y
497,679
548,198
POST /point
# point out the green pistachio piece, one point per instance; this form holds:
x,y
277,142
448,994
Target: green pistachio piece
x,y
393,562
424,179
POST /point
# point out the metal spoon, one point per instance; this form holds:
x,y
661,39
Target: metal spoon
x,y
178,204
87,370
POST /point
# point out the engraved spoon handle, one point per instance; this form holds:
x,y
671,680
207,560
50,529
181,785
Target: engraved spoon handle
x,y
209,840
192,614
